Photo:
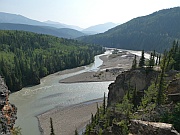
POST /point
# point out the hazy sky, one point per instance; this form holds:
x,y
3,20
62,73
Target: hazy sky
x,y
85,13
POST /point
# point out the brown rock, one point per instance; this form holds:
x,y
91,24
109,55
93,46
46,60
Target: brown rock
x,y
174,86
138,78
139,127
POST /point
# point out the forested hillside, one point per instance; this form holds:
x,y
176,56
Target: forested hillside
x,y
152,32
26,57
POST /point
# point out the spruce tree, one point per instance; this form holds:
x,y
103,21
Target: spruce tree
x,y
97,114
104,104
142,60
134,64
76,132
157,57
92,118
151,61
51,125
134,98
160,94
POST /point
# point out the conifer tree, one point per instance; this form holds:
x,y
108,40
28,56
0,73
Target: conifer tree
x,y
104,104
134,64
76,132
157,57
161,82
92,118
151,61
51,125
134,98
142,60
97,114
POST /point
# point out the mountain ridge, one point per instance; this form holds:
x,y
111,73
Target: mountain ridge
x,y
61,32
154,31
100,28
19,19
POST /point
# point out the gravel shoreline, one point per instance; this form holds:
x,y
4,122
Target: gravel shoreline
x,y
66,120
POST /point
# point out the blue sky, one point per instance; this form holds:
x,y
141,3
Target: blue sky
x,y
85,13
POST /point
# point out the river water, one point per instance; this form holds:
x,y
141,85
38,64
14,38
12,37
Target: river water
x,y
35,100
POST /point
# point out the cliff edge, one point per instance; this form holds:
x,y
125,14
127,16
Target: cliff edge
x,y
8,111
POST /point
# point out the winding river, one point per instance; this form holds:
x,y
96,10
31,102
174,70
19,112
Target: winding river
x,y
35,100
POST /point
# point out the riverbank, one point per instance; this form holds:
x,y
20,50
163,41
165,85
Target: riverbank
x,y
68,119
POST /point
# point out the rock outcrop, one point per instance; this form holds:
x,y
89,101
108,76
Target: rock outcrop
x,y
138,127
174,86
174,90
139,78
8,111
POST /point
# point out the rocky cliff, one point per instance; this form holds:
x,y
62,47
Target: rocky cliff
x,y
8,111
138,127
139,78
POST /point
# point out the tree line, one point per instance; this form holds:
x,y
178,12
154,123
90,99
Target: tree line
x,y
26,57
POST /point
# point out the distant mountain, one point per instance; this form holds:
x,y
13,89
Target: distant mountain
x,y
19,19
100,28
155,31
61,25
62,32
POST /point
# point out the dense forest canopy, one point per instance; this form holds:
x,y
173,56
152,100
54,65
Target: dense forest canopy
x,y
152,32
26,57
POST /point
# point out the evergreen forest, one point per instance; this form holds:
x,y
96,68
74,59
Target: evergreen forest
x,y
26,57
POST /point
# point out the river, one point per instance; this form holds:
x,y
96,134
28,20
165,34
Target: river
x,y
35,100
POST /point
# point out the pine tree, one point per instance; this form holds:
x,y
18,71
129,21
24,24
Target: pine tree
x,y
104,104
92,118
51,125
151,61
76,132
157,57
142,60
134,98
134,64
97,114
160,94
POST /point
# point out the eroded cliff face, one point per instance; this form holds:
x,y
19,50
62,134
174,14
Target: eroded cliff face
x,y
8,111
139,78
174,90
